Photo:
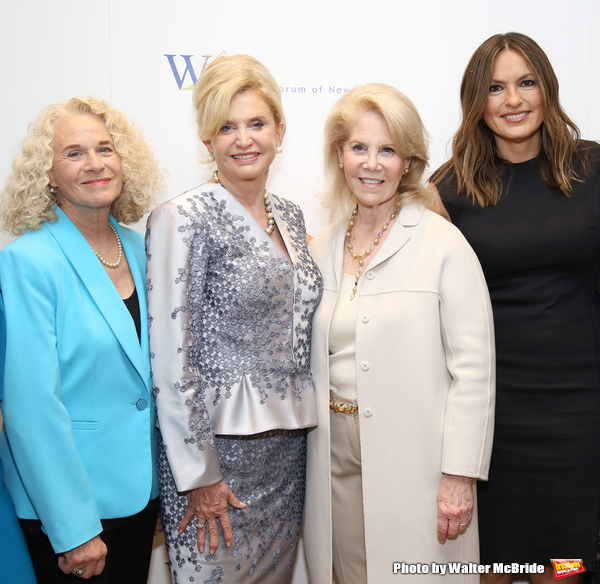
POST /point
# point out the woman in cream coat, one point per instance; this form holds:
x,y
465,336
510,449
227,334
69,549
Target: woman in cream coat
x,y
405,338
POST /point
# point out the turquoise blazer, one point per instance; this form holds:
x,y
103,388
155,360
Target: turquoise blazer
x,y
14,556
79,437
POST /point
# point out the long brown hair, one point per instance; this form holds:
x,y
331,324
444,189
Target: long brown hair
x,y
475,164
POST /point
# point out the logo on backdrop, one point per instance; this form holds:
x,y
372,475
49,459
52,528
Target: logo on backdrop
x,y
186,69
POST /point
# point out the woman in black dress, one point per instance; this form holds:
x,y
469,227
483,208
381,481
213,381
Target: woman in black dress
x,y
525,191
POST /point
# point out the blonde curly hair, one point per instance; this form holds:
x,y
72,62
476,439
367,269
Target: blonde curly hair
x,y
26,201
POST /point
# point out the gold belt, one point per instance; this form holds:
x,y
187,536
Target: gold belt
x,y
349,409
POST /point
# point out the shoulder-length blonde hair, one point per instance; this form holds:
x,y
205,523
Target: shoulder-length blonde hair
x,y
475,163
408,136
26,199
222,80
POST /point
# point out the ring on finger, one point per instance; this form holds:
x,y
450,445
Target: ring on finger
x,y
78,571
199,525
463,524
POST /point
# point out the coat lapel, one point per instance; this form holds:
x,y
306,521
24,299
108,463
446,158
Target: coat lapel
x,y
339,247
102,291
409,216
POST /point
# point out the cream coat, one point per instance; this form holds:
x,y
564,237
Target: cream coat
x,y
425,381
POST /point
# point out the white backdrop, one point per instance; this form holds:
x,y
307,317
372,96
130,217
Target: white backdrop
x,y
316,49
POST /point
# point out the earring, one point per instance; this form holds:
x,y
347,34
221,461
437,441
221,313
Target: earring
x,y
53,190
341,165
211,157
406,171
279,149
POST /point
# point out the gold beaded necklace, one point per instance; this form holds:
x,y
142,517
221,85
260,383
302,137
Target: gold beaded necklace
x,y
361,258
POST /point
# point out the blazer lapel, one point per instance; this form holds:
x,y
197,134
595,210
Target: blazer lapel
x,y
102,291
285,233
137,265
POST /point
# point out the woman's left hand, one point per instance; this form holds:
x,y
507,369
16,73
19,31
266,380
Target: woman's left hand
x,y
455,506
89,557
208,504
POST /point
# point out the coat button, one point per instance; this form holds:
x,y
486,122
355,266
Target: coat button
x,y
141,404
366,318
370,275
365,365
368,412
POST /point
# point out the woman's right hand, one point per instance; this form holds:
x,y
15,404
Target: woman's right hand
x,y
209,504
89,556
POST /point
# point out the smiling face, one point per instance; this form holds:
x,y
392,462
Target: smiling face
x,y
513,111
246,145
86,168
372,167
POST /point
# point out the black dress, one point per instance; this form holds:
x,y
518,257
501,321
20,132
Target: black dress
x,y
539,250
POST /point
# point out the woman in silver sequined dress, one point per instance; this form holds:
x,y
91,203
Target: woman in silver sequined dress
x,y
232,290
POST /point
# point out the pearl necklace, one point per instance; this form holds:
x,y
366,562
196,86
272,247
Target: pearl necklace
x,y
118,262
270,217
361,258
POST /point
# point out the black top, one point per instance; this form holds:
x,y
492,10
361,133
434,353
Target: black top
x,y
133,305
539,250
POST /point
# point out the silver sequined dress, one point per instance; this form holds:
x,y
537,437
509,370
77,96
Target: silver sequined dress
x,y
230,324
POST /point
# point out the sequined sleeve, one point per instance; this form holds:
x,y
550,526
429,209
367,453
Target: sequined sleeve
x,y
176,278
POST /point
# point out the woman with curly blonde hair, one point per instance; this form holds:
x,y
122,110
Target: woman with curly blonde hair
x,y
27,201
78,442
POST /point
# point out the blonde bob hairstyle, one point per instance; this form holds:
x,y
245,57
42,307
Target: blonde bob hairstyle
x,y
408,137
26,199
222,80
